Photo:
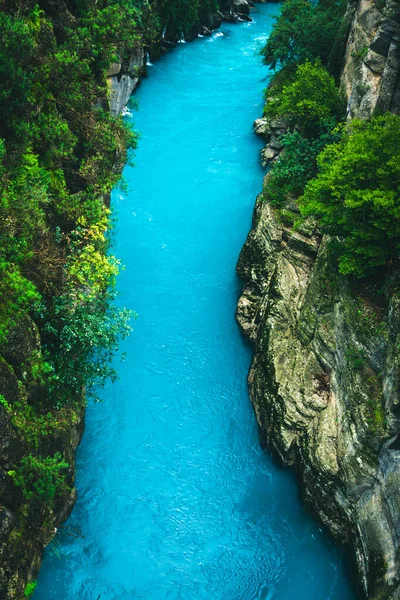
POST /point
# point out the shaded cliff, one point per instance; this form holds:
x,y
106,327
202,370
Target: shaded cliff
x,y
324,379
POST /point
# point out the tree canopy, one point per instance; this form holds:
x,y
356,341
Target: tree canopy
x,y
356,194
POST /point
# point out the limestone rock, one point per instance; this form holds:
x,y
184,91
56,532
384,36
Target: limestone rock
x,y
122,84
371,74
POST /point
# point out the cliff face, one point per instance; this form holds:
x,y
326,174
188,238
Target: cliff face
x,y
371,75
325,377
123,79
27,525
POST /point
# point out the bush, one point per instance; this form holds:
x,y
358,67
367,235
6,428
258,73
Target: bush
x,y
297,164
41,478
83,326
356,194
29,589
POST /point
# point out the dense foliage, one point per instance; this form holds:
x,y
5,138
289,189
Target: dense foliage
x,y
60,156
356,194
308,101
310,107
41,478
306,31
296,166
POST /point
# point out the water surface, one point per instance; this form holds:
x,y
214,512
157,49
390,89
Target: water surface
x,y
176,499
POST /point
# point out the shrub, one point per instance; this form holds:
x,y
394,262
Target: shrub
x,y
83,326
296,165
29,589
40,478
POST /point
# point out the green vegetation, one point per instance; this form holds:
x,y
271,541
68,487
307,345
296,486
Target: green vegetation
x,y
41,478
181,16
61,153
29,589
355,358
311,107
309,103
347,178
356,194
5,404
307,31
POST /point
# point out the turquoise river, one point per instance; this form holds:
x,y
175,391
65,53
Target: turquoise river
x,y
177,501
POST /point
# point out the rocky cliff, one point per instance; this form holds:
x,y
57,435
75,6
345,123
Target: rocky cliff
x,y
325,377
370,76
26,524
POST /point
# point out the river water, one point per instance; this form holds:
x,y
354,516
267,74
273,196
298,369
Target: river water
x,y
177,501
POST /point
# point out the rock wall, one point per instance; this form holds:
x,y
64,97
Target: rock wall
x,y
371,75
28,525
324,383
325,379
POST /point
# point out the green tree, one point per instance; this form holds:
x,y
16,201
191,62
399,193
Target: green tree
x,y
307,31
356,194
308,101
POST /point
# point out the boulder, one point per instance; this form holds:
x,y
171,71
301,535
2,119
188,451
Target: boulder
x,y
241,6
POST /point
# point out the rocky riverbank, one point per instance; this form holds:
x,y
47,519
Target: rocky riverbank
x,y
325,377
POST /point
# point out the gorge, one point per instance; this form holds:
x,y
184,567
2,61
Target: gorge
x,y
178,488
176,498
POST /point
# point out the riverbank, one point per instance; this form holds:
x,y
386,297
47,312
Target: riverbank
x,y
324,379
47,350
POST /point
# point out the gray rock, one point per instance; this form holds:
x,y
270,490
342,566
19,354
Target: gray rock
x,y
123,84
241,6
325,384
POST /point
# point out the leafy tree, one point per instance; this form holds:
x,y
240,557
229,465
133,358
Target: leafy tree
x,y
83,326
308,101
356,194
306,31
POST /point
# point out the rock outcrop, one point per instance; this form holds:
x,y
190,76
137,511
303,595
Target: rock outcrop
x,y
123,78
